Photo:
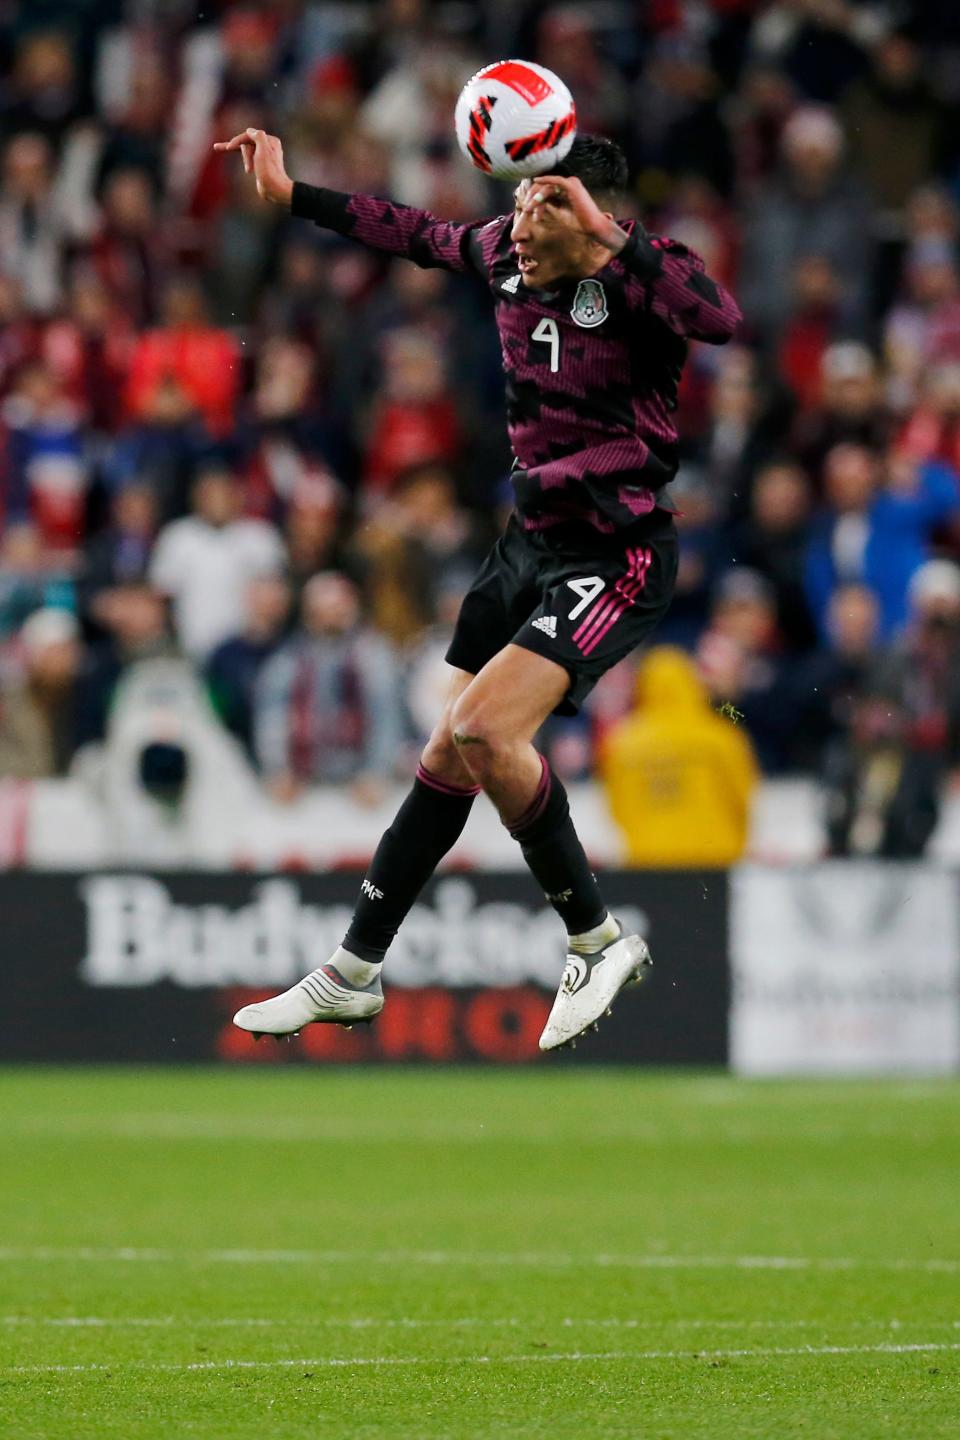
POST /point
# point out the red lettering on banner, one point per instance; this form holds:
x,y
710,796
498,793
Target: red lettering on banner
x,y
522,80
417,1024
432,1024
334,1043
505,1025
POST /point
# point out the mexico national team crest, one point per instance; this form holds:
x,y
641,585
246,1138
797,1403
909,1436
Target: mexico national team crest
x,y
589,304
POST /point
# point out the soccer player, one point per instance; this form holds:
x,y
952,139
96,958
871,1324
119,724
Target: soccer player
x,y
594,319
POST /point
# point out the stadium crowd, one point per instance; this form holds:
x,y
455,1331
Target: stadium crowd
x,y
231,441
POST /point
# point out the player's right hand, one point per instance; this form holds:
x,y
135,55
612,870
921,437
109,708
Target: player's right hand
x,y
262,156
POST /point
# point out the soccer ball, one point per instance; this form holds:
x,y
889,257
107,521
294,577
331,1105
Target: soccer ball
x,y
515,119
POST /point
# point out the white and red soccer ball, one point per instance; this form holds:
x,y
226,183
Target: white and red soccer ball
x,y
515,119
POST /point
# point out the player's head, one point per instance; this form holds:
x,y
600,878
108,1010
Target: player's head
x,y
555,248
600,164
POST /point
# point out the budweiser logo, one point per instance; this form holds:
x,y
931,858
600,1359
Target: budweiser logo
x,y
137,935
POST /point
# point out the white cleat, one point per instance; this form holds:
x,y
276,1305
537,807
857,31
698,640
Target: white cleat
x,y
589,985
323,997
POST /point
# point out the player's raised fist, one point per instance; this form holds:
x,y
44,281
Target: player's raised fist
x,y
262,156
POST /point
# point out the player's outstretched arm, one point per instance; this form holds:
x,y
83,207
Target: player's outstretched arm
x,y
661,274
379,224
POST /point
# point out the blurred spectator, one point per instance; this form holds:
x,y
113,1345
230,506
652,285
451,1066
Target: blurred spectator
x,y
45,93
884,787
875,528
135,134
815,210
37,706
772,541
20,331
414,418
925,327
760,111
566,44
187,350
314,531
813,321
205,561
830,682
132,625
286,440
327,706
893,121
32,232
681,127
233,668
47,461
127,252
297,301
120,553
678,778
932,432
416,547
88,347
848,406
740,659
745,425
163,449
243,238
702,554
25,579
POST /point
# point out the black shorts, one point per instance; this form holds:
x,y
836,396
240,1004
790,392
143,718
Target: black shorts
x,y
582,599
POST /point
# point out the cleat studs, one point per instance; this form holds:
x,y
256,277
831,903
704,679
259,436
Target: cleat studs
x,y
608,1011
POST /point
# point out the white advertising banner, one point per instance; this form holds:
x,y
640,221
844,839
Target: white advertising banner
x,y
844,968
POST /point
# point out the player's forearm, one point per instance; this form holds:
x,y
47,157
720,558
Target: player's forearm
x,y
385,226
327,208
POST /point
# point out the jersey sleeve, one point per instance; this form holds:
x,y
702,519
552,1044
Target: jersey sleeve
x,y
395,229
669,280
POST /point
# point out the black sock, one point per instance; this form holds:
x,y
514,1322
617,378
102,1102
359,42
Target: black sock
x,y
427,825
552,849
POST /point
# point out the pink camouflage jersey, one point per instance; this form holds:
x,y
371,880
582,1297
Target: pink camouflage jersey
x,y
592,367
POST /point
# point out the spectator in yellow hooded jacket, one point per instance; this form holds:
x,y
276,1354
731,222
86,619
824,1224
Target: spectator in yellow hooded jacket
x,y
678,776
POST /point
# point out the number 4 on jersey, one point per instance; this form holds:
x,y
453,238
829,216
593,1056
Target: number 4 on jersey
x,y
548,331
588,589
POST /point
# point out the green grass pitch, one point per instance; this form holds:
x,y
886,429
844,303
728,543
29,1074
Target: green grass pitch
x,y
547,1253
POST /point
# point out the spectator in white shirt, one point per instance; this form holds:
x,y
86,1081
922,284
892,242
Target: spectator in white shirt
x,y
205,561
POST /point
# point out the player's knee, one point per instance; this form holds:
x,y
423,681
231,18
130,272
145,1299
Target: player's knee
x,y
441,755
474,733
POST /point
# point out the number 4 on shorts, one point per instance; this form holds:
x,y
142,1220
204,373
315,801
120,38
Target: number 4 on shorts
x,y
588,589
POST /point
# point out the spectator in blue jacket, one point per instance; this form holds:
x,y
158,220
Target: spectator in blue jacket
x,y
875,529
233,668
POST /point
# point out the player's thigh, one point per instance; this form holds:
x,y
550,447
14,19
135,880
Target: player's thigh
x,y
510,698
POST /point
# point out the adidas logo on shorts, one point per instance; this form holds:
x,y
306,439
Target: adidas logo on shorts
x,y
548,624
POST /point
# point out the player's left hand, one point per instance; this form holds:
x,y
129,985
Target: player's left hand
x,y
569,191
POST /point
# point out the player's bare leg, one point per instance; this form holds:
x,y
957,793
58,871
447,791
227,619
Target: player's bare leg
x,y
494,722
347,990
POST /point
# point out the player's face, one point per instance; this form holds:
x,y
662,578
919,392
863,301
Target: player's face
x,y
549,243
